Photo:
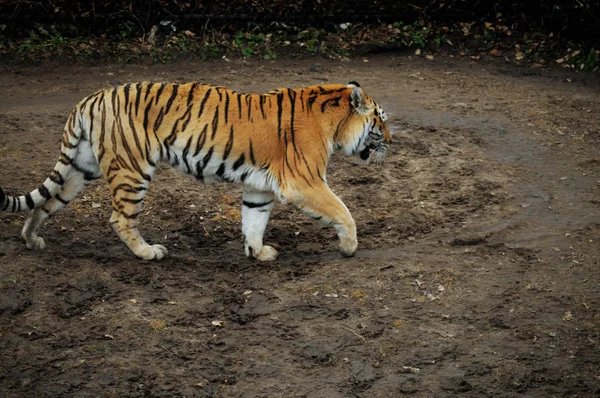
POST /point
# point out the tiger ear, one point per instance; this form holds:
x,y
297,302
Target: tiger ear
x,y
357,99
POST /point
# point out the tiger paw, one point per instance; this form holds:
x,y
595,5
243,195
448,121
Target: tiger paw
x,y
348,247
267,253
152,252
35,243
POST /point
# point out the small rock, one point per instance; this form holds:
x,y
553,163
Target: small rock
x,y
460,105
316,68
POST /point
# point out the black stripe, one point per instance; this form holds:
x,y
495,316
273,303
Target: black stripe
x,y
185,153
188,112
334,102
113,95
292,95
60,199
239,100
159,119
252,205
173,136
29,201
146,111
67,160
148,89
201,140
138,97
319,174
91,116
127,188
126,91
208,156
130,216
226,106
238,163
229,145
221,170
262,106
323,91
191,93
158,93
199,171
279,112
172,97
56,177
204,102
244,175
311,101
249,106
215,123
134,201
44,192
135,136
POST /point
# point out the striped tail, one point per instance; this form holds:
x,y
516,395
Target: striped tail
x,y
53,184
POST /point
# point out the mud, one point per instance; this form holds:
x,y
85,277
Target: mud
x,y
477,273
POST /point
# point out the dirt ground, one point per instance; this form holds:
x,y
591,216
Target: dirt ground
x,y
478,270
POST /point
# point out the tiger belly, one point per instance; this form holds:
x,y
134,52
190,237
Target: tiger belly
x,y
210,168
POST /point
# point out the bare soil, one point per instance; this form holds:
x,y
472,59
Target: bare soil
x,y
478,270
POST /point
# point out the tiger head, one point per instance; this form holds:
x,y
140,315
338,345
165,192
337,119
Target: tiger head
x,y
367,134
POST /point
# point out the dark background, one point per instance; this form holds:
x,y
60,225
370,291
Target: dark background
x,y
577,20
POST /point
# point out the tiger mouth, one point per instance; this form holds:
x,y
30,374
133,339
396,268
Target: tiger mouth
x,y
374,153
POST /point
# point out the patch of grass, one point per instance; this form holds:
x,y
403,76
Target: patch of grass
x,y
157,325
358,295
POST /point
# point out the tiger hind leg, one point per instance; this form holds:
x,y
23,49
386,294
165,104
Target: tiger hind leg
x,y
256,209
128,192
72,187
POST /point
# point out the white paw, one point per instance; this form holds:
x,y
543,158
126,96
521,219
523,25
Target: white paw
x,y
267,254
348,247
154,252
35,243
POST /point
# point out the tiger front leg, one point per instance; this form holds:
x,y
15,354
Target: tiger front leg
x,y
256,209
321,204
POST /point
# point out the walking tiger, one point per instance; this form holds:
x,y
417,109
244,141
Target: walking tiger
x,y
275,145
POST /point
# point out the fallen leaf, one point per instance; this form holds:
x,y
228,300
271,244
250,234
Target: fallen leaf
x,y
411,369
568,316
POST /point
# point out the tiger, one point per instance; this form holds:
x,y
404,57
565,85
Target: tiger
x,y
275,145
